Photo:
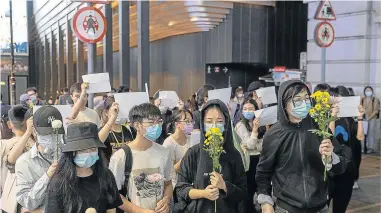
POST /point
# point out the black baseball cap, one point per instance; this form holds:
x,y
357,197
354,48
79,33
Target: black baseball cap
x,y
43,118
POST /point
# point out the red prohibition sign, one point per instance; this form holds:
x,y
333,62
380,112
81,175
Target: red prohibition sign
x,y
319,41
77,32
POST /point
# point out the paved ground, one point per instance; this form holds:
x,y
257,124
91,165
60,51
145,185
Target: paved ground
x,y
367,199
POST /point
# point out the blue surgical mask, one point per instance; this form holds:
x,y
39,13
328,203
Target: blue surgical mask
x,y
368,93
153,132
301,111
33,99
248,115
86,160
219,126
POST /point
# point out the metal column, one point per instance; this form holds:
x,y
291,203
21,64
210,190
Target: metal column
x,y
143,44
53,65
80,60
41,69
70,76
124,43
60,58
107,44
47,84
91,56
323,49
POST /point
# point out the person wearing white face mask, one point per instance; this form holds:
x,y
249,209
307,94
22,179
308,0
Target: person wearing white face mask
x,y
35,167
251,134
291,162
143,169
371,105
180,126
82,180
113,133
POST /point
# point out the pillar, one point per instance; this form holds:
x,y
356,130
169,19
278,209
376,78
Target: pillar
x,y
53,66
143,44
60,58
124,43
107,44
70,76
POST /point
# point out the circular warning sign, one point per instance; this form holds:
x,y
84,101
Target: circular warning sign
x,y
324,34
89,24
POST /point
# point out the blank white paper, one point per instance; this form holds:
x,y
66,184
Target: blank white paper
x,y
348,106
267,95
220,94
99,82
267,115
127,100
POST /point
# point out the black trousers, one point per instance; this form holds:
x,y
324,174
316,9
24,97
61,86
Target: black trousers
x,y
357,155
251,184
341,192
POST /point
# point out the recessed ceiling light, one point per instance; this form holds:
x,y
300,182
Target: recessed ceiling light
x,y
194,19
171,23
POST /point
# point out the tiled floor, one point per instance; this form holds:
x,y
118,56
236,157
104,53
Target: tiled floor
x,y
367,199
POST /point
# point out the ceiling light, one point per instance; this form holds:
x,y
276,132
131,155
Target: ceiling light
x,y
171,23
194,19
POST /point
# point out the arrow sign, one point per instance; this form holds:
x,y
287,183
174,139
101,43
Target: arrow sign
x,y
325,11
225,69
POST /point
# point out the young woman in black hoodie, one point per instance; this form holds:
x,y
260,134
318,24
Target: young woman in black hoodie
x,y
291,157
197,187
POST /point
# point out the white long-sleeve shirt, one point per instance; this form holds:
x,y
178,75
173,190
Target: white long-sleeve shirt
x,y
251,141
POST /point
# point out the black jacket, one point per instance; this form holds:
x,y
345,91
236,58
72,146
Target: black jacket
x,y
194,174
290,159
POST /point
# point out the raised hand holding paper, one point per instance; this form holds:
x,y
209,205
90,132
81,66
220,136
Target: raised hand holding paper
x,y
99,82
267,95
128,100
267,115
220,94
348,106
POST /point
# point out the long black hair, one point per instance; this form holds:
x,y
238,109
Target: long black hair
x,y
65,181
245,122
176,116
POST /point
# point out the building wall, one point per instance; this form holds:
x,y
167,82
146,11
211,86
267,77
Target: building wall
x,y
354,59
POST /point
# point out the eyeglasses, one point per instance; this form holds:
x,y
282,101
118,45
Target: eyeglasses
x,y
299,102
187,122
151,122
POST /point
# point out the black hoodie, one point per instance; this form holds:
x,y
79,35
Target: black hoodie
x,y
290,159
196,166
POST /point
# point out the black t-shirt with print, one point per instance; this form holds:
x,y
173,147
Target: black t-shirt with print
x,y
111,143
88,189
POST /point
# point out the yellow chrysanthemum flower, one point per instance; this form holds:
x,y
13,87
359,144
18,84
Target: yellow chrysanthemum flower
x,y
312,111
207,133
318,107
214,130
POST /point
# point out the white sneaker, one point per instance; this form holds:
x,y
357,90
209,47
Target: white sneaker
x,y
355,185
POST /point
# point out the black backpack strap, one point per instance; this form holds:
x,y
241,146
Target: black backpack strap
x,y
127,166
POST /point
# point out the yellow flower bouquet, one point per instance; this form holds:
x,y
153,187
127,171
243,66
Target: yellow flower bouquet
x,y
213,145
321,113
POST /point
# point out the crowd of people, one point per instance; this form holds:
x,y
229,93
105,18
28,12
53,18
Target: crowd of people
x,y
99,162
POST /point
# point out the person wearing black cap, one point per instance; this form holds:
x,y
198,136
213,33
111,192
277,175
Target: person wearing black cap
x,y
35,167
82,180
253,94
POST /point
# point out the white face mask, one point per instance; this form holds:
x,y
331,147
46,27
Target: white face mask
x,y
120,121
368,93
163,109
49,143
